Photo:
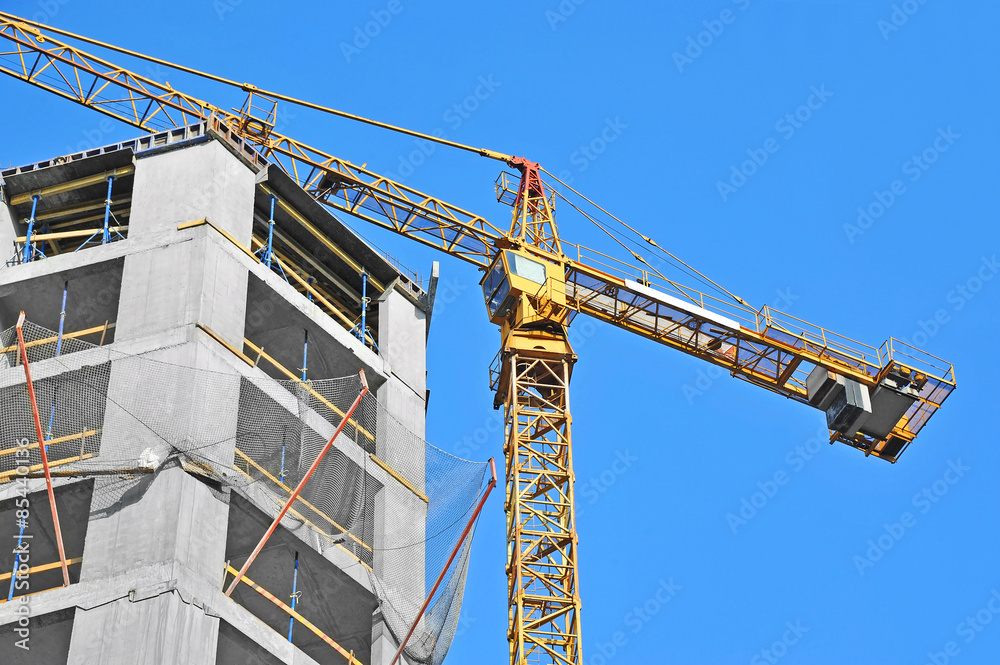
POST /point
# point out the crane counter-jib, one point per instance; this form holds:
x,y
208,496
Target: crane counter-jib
x,y
875,399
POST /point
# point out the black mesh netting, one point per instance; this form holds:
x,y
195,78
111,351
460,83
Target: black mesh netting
x,y
383,496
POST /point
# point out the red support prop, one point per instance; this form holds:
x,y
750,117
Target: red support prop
x,y
454,553
301,485
41,448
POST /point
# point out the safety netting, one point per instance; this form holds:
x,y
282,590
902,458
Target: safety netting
x,y
386,499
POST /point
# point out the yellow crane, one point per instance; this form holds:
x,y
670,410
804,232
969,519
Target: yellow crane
x,y
876,399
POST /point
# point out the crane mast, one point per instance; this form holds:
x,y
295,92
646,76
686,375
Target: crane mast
x,y
876,399
525,295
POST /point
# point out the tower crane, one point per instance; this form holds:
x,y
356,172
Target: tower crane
x,y
876,399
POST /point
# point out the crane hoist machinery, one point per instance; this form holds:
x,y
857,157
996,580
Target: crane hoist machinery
x,y
876,399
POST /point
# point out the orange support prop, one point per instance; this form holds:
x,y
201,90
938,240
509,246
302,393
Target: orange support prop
x,y
291,499
41,449
454,553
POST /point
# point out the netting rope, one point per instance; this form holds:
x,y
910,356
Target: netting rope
x,y
394,503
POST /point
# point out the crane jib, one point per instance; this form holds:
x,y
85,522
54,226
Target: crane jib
x,y
876,399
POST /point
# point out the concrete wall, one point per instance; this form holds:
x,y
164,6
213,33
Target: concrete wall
x,y
167,531
8,231
200,181
175,521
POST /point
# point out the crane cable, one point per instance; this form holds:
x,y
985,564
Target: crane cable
x,y
247,87
614,236
611,235
649,241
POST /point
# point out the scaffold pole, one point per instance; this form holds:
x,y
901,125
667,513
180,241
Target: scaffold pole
x,y
302,483
41,449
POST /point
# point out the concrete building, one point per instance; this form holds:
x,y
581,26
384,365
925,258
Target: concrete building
x,y
182,291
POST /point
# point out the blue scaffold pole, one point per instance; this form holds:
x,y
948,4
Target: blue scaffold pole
x,y
364,306
62,319
59,339
305,358
295,595
17,562
29,252
106,236
266,259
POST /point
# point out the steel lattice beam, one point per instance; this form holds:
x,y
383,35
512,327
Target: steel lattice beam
x,y
543,596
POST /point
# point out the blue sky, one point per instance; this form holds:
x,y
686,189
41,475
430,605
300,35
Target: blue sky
x,y
892,111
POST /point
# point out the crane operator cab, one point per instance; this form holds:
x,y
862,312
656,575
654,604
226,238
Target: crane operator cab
x,y
520,288
525,295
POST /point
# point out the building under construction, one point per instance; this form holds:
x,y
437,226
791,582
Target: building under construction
x,y
190,316
220,457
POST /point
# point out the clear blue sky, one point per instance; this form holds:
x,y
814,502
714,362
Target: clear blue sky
x,y
889,90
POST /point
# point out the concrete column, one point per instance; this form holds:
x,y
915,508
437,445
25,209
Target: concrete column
x,y
8,231
403,342
177,398
384,647
195,281
400,515
200,181
172,518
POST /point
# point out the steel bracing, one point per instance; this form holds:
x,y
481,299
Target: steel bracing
x,y
69,72
542,585
765,347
